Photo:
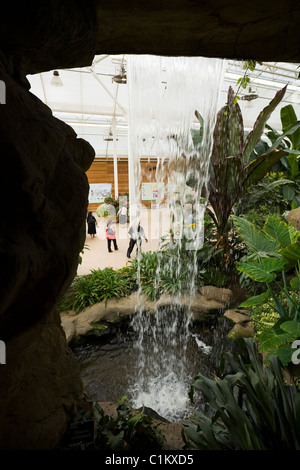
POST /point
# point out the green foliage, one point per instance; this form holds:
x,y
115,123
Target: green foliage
x,y
85,247
244,81
264,198
277,341
231,169
165,271
263,315
98,286
129,430
251,408
289,140
275,252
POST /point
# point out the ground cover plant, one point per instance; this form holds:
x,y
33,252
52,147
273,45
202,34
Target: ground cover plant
x,y
251,408
130,430
98,286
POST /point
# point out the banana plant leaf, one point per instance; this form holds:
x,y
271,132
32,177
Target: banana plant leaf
x,y
289,120
258,128
258,168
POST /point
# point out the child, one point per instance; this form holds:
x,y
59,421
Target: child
x,y
110,236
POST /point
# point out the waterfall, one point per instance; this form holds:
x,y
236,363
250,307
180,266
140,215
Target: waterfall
x,y
164,93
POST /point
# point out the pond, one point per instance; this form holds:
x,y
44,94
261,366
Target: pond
x,y
156,370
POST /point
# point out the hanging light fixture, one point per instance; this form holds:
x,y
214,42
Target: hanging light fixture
x,y
251,95
121,77
56,80
109,138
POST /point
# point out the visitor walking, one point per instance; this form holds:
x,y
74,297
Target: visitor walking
x,y
111,236
136,234
92,223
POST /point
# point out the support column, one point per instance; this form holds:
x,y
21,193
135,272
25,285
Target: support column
x,y
115,158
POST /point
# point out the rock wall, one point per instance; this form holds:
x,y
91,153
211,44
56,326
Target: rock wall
x,y
43,197
227,29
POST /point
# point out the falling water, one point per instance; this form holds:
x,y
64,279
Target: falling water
x,y
164,93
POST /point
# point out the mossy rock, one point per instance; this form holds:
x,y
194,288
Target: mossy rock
x,y
241,330
98,329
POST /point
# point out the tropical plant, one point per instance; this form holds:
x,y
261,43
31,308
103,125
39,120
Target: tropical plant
x,y
167,270
244,81
251,408
85,247
275,252
231,171
129,430
266,196
289,140
98,286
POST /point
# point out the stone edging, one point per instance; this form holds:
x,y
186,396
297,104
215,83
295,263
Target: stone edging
x,y
210,299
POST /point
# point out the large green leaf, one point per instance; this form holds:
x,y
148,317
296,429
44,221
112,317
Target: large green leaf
x,y
279,230
293,163
258,168
288,120
263,271
255,238
282,138
295,283
256,299
291,252
274,337
291,327
258,128
284,353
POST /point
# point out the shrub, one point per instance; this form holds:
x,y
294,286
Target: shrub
x,y
98,286
251,408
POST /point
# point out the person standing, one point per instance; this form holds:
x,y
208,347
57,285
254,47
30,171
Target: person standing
x,y
111,236
92,223
123,214
136,234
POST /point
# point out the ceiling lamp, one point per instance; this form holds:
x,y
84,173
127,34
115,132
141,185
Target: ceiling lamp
x,y
251,95
56,80
109,138
121,77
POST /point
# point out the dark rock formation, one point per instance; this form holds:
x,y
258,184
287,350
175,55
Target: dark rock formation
x,y
44,196
228,29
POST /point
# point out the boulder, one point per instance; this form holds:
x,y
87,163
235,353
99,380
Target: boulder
x,y
243,327
241,330
294,218
237,316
